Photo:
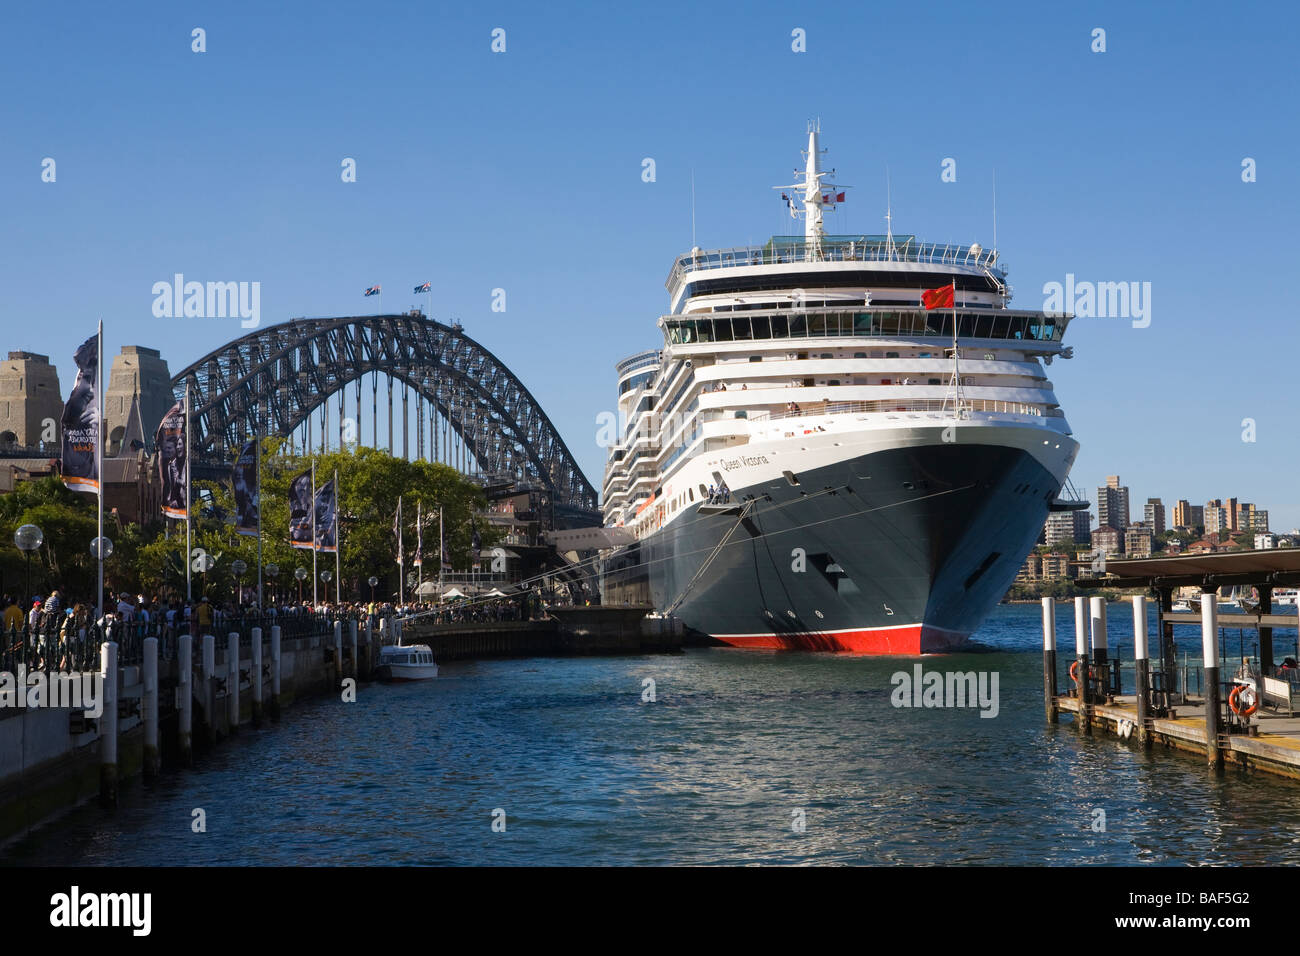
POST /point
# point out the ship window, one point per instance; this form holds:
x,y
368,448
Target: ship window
x,y
833,381
791,478
827,355
934,381
859,354
886,381
704,492
756,358
691,493
891,355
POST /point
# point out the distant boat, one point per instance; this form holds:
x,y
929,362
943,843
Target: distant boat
x,y
406,663
1182,604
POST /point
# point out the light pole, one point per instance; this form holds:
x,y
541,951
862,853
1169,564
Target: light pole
x,y
29,538
301,575
239,567
272,572
373,581
326,576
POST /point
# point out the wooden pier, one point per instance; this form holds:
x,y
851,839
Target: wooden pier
x,y
1243,716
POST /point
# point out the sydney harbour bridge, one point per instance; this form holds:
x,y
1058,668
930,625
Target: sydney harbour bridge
x,y
282,379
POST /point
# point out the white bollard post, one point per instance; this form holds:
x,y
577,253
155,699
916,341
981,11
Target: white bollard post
x,y
1210,653
1097,609
232,680
275,672
352,636
108,725
256,675
338,653
1081,660
185,690
209,691
1049,659
1141,666
150,707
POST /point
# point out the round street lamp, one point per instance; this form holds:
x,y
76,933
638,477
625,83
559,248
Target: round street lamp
x,y
27,539
239,567
301,575
373,581
101,544
326,576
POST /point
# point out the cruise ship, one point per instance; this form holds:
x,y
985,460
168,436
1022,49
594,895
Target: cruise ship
x,y
844,442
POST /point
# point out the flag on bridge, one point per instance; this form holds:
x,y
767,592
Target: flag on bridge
x,y
373,290
424,288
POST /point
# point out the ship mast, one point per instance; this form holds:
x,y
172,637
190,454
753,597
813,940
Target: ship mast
x,y
815,196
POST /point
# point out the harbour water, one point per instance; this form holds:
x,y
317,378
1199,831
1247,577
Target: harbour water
x,y
735,750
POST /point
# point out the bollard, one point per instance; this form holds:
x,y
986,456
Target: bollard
x,y
150,708
275,672
1049,659
338,653
1210,652
1097,614
1142,668
255,675
108,726
185,691
209,690
232,680
1081,658
370,646
352,636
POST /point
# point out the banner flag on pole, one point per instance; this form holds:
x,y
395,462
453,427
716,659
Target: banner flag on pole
x,y
173,466
80,424
300,511
244,478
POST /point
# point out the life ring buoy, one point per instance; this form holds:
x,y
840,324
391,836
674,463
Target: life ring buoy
x,y
1234,701
1074,671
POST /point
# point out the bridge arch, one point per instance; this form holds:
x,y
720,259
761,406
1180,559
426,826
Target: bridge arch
x,y
288,371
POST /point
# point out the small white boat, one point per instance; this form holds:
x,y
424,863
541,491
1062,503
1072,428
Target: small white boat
x,y
399,662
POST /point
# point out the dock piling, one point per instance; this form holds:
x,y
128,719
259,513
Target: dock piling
x,y
1100,652
338,653
352,636
209,690
275,672
185,691
232,680
1210,654
1081,658
255,673
150,762
1142,668
108,726
1049,660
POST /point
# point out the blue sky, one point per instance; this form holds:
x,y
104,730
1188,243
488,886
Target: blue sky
x,y
522,171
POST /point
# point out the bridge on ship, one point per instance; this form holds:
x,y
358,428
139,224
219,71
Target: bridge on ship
x,y
282,379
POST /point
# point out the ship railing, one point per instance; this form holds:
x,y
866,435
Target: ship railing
x,y
865,249
821,409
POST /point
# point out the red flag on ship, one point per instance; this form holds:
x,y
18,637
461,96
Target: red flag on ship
x,y
940,298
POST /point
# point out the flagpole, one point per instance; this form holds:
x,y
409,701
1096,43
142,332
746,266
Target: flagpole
x,y
442,550
314,577
401,564
338,544
189,595
419,546
99,462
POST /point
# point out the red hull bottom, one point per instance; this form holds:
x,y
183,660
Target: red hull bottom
x,y
907,640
